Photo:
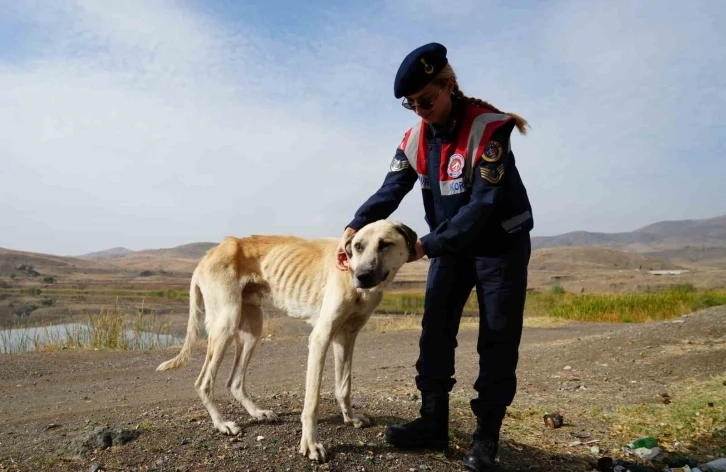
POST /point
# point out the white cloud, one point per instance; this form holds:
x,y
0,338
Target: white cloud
x,y
151,124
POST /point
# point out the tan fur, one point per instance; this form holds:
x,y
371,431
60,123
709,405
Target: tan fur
x,y
298,276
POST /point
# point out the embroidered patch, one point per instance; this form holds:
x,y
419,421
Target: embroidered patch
x,y
456,166
493,175
399,164
492,151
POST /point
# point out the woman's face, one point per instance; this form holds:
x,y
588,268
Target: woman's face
x,y
432,103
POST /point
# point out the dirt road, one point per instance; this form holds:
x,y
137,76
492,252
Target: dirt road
x,y
50,399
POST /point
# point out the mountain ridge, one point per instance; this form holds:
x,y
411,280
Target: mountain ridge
x,y
658,236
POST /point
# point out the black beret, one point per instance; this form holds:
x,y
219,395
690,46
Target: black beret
x,y
418,68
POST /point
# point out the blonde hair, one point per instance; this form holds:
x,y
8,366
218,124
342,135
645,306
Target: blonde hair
x,y
447,73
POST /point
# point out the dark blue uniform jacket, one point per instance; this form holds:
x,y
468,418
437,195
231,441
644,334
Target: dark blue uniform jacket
x,y
474,200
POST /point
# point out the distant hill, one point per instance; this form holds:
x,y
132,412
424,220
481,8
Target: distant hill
x,y
594,258
661,245
191,250
660,236
119,261
21,263
710,257
176,259
107,254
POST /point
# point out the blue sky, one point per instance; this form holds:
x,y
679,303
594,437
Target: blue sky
x,y
153,124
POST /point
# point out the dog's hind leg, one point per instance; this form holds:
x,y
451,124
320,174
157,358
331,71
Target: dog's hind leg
x,y
249,333
221,332
343,344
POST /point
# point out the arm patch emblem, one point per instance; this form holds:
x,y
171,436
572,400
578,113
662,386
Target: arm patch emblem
x,y
399,164
492,152
493,175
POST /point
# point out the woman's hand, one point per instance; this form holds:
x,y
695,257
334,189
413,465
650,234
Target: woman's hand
x,y
342,260
419,252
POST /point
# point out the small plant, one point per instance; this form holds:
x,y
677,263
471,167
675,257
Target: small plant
x,y
558,290
49,280
144,425
687,288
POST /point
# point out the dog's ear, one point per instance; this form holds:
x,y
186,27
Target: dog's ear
x,y
409,235
348,249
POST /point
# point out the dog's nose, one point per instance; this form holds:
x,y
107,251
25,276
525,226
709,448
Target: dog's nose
x,y
365,279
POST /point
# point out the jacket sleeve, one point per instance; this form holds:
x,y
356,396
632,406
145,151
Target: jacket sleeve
x,y
398,182
490,168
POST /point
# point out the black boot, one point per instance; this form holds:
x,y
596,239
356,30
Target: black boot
x,y
430,430
485,445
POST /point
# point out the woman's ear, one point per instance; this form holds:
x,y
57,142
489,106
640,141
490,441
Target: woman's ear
x,y
450,85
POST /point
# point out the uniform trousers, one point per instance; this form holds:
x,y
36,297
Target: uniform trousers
x,y
501,284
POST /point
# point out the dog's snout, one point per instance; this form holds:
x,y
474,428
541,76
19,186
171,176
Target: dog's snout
x,y
366,279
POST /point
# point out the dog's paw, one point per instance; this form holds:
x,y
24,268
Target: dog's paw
x,y
267,415
312,449
228,427
359,421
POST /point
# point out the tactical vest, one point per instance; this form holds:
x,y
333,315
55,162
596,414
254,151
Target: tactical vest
x,y
461,156
472,138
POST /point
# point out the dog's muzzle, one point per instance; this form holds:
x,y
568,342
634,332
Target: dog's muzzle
x,y
368,278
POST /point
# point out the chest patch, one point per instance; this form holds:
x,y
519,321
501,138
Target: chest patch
x,y
456,166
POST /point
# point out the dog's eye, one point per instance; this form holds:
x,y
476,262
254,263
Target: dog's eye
x,y
358,247
384,244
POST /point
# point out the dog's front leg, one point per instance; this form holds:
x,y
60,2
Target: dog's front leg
x,y
343,344
317,348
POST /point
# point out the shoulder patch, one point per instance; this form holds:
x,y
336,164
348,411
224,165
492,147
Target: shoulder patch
x,y
492,151
399,164
493,174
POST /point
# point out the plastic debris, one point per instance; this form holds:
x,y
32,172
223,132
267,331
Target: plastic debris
x,y
719,465
647,453
680,462
608,464
647,442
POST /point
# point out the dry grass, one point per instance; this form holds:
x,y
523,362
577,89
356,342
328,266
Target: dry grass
x,y
691,425
614,307
625,307
543,322
385,323
694,420
111,329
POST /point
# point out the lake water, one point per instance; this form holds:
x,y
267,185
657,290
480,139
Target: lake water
x,y
26,339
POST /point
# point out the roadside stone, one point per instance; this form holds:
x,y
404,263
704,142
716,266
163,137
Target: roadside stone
x,y
102,437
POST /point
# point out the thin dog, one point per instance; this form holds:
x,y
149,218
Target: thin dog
x,y
297,276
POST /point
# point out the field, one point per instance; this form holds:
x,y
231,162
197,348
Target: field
x,y
619,351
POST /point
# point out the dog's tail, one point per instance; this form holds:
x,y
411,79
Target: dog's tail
x,y
195,311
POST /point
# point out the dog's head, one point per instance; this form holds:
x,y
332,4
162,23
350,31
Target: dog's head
x,y
378,250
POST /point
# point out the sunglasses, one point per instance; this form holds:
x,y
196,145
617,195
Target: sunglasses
x,y
426,104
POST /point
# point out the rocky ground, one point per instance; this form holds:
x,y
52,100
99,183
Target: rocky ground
x,y
84,410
